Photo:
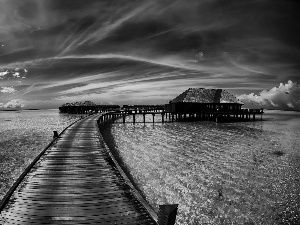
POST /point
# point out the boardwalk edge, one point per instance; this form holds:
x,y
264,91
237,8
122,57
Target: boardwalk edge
x,y
145,204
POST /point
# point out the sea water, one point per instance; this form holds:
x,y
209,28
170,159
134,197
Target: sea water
x,y
225,173
218,173
23,135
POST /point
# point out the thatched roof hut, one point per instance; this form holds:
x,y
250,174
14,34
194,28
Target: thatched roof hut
x,y
202,95
201,99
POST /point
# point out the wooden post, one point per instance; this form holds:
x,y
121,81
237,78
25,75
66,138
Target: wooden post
x,y
124,118
153,114
133,118
144,117
113,118
162,117
172,117
55,134
167,214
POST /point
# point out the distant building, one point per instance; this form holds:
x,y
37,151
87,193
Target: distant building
x,y
86,107
201,99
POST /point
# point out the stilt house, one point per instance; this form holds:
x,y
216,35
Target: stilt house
x,y
201,99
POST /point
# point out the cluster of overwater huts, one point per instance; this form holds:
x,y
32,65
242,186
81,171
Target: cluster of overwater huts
x,y
85,107
197,103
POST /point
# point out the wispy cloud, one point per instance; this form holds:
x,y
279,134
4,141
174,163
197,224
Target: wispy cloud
x,y
97,33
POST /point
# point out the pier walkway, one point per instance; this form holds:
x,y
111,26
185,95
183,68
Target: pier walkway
x,y
75,182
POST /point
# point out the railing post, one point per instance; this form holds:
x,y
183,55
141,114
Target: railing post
x,y
167,214
55,134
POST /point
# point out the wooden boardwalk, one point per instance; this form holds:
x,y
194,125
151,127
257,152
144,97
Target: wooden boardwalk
x,y
75,182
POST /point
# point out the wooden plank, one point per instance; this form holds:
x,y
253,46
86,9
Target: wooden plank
x,y
131,219
75,182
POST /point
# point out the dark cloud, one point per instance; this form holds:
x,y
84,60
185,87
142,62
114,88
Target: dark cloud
x,y
70,5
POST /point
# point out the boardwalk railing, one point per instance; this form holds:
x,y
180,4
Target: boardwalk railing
x,y
217,115
167,213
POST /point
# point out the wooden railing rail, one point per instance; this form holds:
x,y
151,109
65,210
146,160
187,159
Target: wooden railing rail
x,y
165,216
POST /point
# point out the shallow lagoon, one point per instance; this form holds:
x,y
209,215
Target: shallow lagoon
x,y
230,173
254,165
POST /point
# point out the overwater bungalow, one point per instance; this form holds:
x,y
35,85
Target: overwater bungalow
x,y
210,103
199,99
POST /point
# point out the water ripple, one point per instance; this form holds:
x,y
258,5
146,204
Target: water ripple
x,y
217,173
23,135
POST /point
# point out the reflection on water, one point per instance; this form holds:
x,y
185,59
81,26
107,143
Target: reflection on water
x,y
23,135
240,173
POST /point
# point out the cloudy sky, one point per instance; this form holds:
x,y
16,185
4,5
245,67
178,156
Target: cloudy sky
x,y
148,52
